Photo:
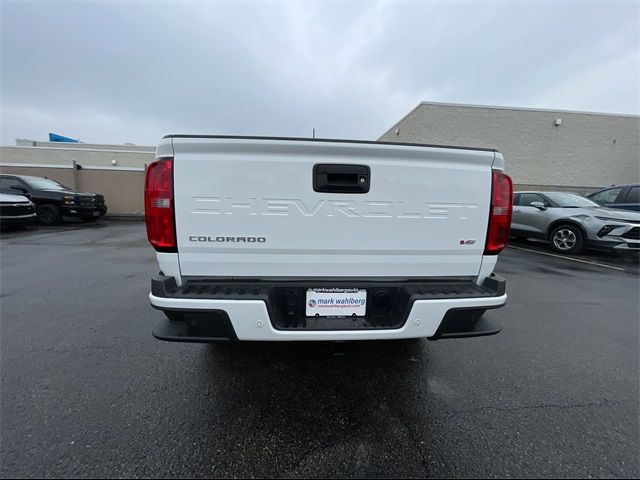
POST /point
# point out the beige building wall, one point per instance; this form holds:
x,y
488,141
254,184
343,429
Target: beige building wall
x,y
584,152
123,190
83,156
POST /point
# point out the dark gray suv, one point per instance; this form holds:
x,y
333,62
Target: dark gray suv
x,y
626,197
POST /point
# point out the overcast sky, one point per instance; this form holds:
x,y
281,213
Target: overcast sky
x,y
115,72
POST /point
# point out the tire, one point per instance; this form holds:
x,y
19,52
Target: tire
x,y
567,239
48,214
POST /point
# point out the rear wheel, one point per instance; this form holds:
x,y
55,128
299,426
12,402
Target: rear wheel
x,y
567,239
48,214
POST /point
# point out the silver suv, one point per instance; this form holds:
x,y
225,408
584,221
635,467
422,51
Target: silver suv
x,y
570,222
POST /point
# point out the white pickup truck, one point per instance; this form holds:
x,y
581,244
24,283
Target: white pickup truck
x,y
288,239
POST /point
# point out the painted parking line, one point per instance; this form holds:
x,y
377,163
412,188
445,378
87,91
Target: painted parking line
x,y
604,265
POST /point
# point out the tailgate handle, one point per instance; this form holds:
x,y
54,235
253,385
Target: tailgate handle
x,y
340,178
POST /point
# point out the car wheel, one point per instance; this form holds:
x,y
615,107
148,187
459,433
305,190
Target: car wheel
x,y
48,214
567,239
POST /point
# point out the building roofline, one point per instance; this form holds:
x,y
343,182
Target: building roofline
x,y
57,149
526,109
496,107
395,125
28,142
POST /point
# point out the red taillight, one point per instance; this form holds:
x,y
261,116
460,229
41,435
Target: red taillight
x,y
158,205
500,214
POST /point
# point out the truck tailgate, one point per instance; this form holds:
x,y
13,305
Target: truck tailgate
x,y
248,208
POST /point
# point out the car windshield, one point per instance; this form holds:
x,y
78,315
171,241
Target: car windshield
x,y
45,184
570,200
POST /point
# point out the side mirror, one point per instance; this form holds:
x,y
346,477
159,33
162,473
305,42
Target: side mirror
x,y
20,189
538,205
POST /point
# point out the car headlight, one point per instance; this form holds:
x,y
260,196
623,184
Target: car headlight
x,y
69,200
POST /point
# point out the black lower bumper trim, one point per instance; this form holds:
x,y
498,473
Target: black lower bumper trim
x,y
196,327
466,323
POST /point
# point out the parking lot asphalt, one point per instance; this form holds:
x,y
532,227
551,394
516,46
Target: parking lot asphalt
x,y
87,391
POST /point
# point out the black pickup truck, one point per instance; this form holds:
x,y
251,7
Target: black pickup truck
x,y
54,200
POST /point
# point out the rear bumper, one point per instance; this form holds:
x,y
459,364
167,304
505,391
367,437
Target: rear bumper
x,y
209,312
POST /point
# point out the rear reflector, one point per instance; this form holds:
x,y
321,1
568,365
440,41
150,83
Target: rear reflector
x,y
158,205
500,214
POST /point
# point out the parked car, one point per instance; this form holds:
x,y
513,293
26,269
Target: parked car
x,y
54,200
626,197
570,222
16,210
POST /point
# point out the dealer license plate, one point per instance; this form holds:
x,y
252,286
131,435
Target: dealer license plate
x,y
336,302
96,214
